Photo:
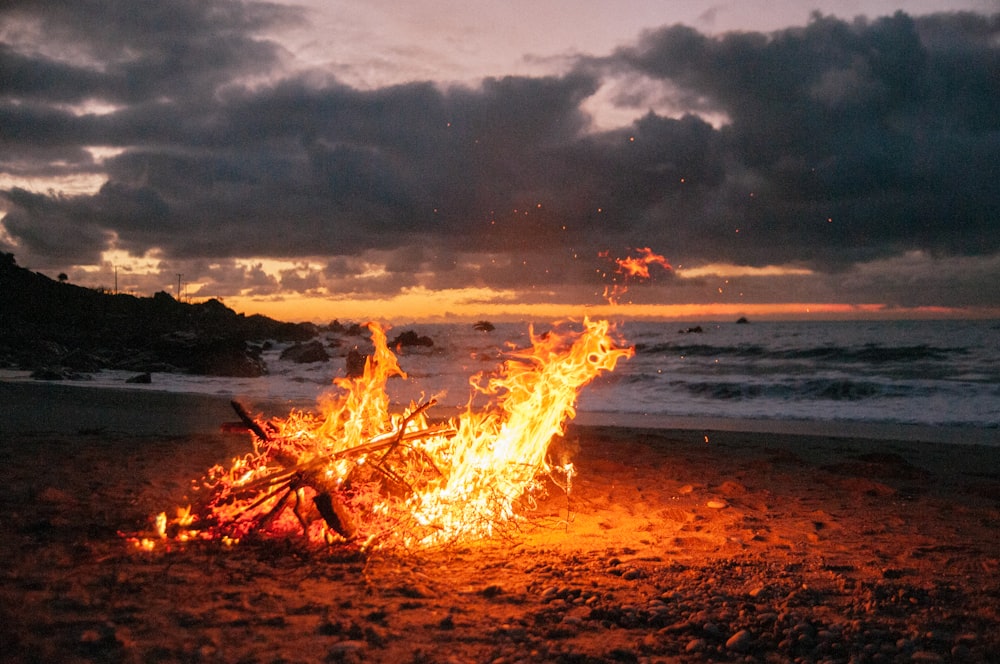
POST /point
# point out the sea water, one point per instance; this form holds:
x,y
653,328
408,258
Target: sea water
x,y
927,373
930,373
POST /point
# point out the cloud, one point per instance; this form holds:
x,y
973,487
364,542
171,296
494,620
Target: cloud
x,y
825,145
880,126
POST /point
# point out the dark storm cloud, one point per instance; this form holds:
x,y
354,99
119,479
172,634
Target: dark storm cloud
x,y
156,62
120,51
843,141
887,127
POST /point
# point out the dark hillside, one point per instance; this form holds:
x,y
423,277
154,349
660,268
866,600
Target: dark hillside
x,y
58,328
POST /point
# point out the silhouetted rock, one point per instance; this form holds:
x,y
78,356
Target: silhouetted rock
x,y
349,330
697,329
304,353
57,373
484,326
48,324
410,338
80,360
355,330
140,379
742,320
210,356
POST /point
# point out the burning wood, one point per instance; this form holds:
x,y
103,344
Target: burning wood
x,y
356,473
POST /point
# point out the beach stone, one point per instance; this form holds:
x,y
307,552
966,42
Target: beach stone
x,y
740,641
711,629
696,645
343,648
492,590
306,353
961,653
410,338
49,373
732,489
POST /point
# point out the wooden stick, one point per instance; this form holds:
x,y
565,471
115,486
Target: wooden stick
x,y
249,421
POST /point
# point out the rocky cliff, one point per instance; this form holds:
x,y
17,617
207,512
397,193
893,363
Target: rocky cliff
x,y
60,328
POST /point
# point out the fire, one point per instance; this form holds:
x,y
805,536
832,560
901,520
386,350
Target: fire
x,y
354,471
632,268
638,266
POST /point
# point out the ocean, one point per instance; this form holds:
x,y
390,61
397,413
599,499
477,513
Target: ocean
x,y
838,376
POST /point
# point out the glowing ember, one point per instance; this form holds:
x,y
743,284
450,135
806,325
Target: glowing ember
x,y
632,268
356,472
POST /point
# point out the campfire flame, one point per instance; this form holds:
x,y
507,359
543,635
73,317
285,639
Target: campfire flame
x,y
357,472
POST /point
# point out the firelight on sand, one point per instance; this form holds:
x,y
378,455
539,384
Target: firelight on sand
x,y
356,472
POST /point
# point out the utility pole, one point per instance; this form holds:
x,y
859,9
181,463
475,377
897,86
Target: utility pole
x,y
179,275
116,280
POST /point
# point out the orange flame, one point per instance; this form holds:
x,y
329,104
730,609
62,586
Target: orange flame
x,y
382,479
638,266
632,268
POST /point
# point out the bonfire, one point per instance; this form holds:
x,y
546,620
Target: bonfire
x,y
354,473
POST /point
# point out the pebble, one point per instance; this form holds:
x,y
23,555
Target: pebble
x,y
696,645
492,590
740,641
344,647
731,489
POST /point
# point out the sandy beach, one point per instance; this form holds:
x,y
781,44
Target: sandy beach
x,y
675,545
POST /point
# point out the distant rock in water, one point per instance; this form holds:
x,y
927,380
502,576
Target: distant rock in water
x,y
410,338
305,353
484,326
697,329
141,379
742,320
350,329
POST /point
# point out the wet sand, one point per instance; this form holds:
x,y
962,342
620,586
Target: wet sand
x,y
747,546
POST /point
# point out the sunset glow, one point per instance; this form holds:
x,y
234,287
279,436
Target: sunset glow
x,y
456,306
327,160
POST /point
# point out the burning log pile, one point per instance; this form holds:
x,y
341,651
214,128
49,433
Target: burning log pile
x,y
356,474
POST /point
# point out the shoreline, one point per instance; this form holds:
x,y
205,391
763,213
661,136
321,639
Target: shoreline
x,y
74,407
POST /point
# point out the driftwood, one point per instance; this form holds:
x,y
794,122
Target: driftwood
x,y
328,499
249,422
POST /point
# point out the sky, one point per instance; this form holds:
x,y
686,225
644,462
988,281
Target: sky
x,y
451,160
